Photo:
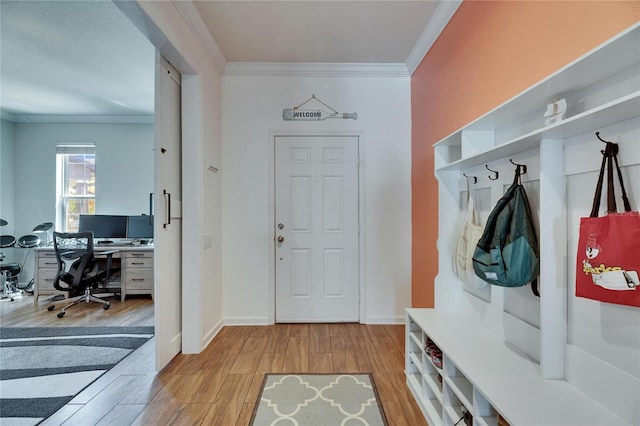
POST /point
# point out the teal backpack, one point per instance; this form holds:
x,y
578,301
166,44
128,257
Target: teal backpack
x,y
507,253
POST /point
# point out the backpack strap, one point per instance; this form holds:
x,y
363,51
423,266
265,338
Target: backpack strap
x,y
534,288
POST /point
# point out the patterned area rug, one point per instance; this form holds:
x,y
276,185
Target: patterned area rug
x,y
41,369
318,399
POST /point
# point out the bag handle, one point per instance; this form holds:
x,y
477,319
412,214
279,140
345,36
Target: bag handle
x,y
472,214
609,156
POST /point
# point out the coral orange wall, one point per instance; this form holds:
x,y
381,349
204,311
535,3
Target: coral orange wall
x,y
489,52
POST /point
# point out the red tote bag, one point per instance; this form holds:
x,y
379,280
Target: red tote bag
x,y
608,261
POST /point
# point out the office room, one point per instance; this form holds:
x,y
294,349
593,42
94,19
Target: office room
x,y
218,316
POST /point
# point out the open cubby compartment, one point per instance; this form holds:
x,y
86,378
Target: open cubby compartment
x,y
433,379
414,360
484,414
454,408
458,384
415,333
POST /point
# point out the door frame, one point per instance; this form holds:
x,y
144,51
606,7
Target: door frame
x,y
192,177
361,208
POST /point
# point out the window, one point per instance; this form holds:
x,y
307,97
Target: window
x,y
76,184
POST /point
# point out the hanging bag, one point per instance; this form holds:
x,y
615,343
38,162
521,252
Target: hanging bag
x,y
608,258
507,253
470,233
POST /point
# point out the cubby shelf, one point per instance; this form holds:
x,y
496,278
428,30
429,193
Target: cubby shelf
x,y
494,378
620,109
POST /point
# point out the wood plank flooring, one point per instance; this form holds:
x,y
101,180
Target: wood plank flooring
x,y
220,385
134,311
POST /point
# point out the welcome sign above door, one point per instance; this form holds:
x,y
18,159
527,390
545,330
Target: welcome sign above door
x,y
295,113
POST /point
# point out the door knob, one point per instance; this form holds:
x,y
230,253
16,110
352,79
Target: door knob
x,y
280,239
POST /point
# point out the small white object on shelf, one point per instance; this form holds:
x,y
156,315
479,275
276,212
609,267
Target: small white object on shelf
x,y
555,111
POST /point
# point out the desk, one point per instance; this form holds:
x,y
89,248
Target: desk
x,y
135,276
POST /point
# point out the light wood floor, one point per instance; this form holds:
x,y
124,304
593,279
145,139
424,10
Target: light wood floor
x,y
220,385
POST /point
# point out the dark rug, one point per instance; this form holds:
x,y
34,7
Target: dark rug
x,y
41,369
318,399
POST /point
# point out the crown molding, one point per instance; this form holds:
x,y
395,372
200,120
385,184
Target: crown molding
x,y
7,116
306,69
440,19
192,17
78,119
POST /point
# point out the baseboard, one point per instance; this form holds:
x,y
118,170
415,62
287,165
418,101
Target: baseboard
x,y
246,321
384,320
392,320
212,333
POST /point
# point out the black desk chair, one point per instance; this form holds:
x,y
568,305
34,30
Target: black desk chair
x,y
78,270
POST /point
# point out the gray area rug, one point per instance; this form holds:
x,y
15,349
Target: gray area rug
x,y
41,369
318,399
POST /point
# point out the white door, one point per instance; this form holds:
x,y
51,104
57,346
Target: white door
x,y
316,220
167,223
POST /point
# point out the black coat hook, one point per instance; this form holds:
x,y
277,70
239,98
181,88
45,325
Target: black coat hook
x,y
613,146
522,166
602,140
475,178
496,174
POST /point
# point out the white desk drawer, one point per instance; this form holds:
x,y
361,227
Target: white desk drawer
x,y
47,262
138,279
137,254
138,262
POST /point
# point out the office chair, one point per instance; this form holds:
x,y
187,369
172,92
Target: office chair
x,y
78,271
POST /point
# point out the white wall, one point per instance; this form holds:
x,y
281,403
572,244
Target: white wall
x,y
252,108
181,43
124,168
7,167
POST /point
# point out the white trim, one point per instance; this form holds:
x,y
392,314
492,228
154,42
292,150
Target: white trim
x,y
192,213
361,215
212,333
7,116
247,321
311,69
195,22
440,19
385,320
51,118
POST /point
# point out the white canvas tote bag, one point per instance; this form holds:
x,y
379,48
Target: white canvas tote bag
x,y
470,233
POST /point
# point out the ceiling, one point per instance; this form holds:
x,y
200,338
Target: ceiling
x,y
85,58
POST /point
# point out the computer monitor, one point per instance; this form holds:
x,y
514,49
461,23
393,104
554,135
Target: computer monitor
x,y
103,226
140,227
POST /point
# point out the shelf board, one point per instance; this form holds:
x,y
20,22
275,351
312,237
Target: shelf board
x,y
624,108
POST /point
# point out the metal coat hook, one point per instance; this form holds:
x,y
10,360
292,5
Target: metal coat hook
x,y
475,178
496,174
524,166
602,140
614,146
